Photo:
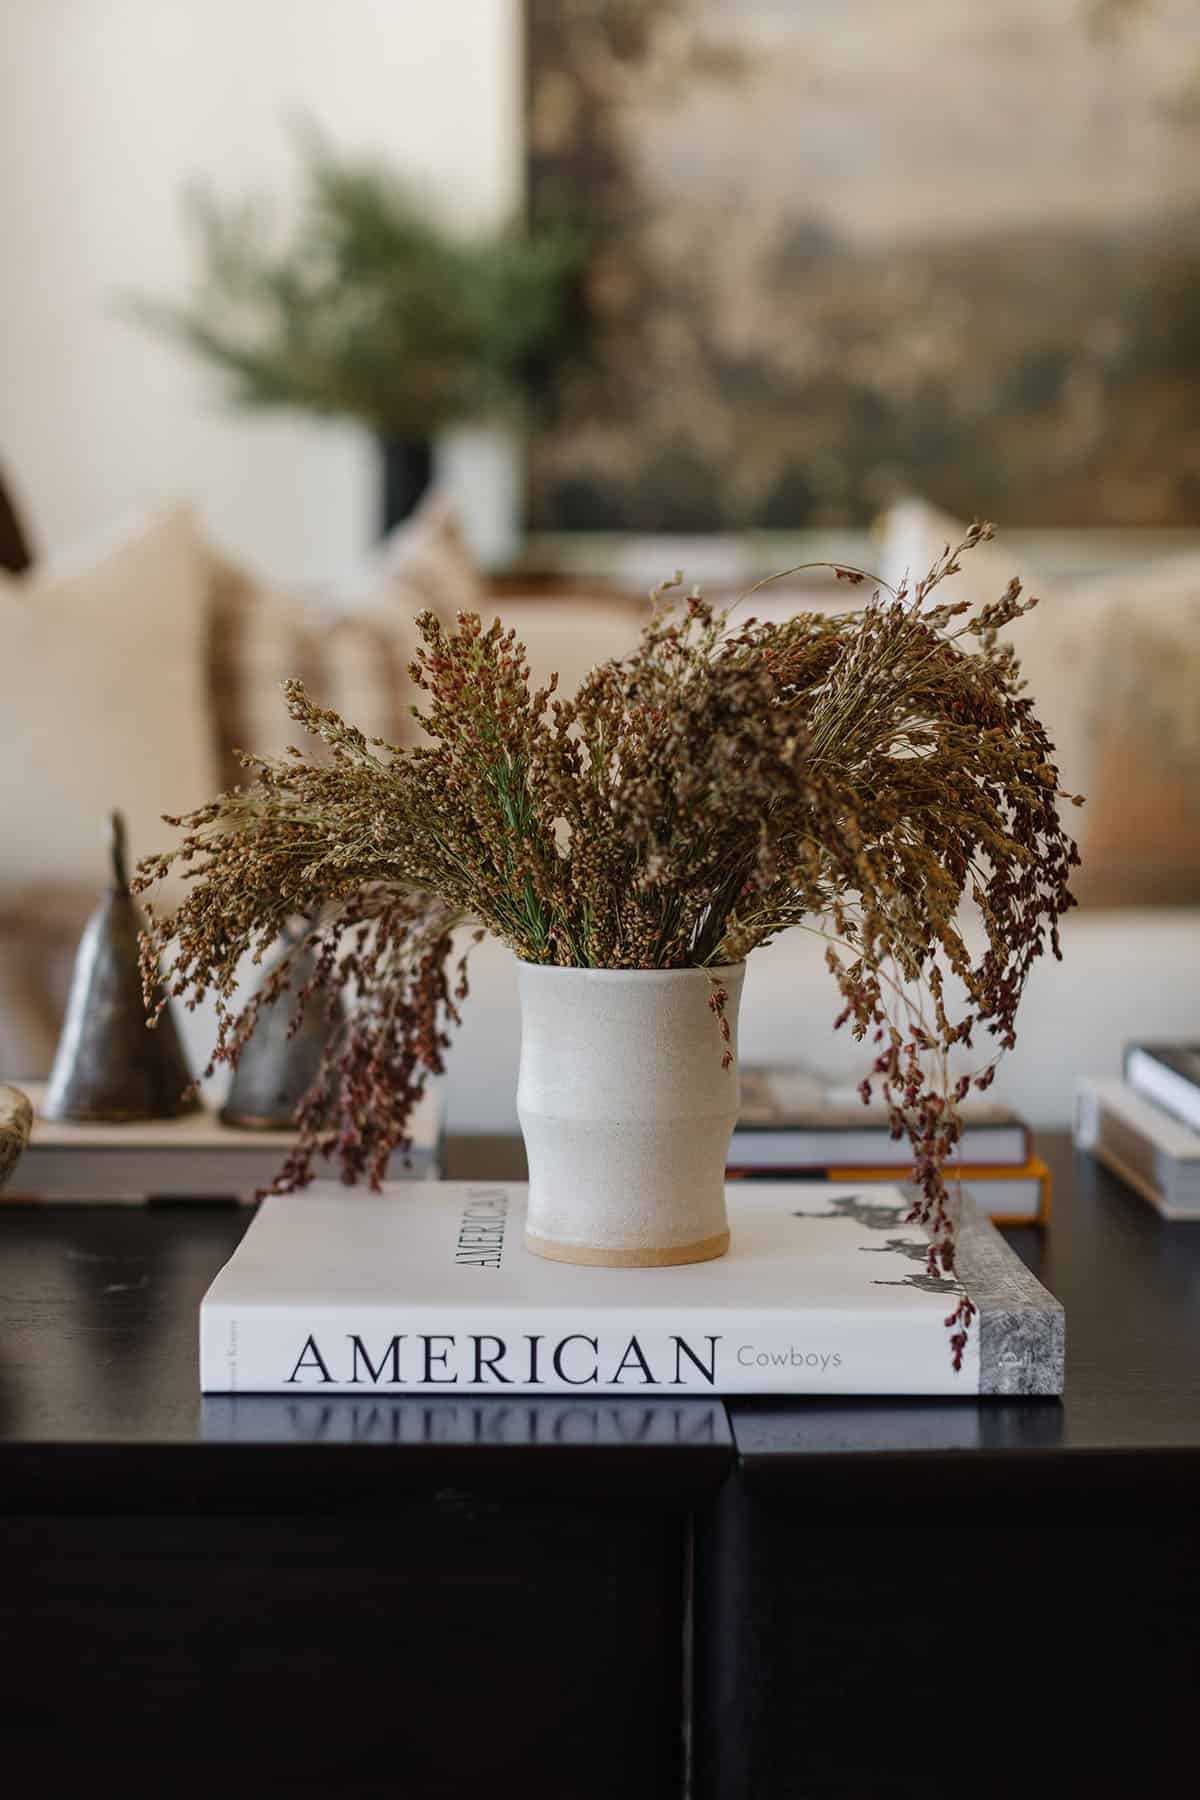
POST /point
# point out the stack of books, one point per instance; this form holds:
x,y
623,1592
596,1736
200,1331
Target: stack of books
x,y
791,1125
193,1157
1146,1128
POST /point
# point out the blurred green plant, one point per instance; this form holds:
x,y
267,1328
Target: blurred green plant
x,y
371,308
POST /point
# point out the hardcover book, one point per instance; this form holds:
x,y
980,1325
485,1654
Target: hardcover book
x,y
427,1288
192,1157
1007,1195
1169,1075
1143,1146
787,1119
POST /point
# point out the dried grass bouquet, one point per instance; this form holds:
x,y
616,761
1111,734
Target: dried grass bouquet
x,y
856,775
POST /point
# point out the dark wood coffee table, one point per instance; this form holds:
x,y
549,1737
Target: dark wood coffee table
x,y
354,1598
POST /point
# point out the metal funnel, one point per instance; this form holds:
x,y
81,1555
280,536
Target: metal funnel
x,y
276,1070
109,1066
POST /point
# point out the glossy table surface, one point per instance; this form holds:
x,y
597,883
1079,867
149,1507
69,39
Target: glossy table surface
x,y
1130,1284
743,1578
98,1356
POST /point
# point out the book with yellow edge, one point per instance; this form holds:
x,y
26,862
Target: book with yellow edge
x,y
1004,1193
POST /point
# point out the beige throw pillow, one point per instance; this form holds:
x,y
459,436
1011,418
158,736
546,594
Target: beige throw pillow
x,y
355,662
1055,643
1140,838
352,651
567,627
40,929
103,702
569,635
429,560
1113,666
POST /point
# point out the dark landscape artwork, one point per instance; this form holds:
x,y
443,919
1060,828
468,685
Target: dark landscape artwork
x,y
845,249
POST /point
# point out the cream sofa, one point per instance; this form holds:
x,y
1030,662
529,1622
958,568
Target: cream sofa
x,y
1123,975
1126,974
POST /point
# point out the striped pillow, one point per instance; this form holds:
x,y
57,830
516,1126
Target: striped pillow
x,y
355,663
429,556
352,656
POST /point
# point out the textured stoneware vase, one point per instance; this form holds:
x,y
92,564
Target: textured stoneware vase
x,y
627,1113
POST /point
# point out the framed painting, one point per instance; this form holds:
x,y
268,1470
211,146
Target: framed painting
x,y
844,249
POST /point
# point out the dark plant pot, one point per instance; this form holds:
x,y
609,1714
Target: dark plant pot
x,y
407,469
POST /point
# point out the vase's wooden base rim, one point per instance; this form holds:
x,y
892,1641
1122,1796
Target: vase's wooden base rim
x,y
649,1256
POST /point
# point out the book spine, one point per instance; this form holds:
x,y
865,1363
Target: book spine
x,y
791,1151
1003,1195
1132,1179
328,1350
1130,1153
1006,1196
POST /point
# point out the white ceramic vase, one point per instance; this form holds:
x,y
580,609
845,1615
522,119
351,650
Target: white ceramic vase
x,y
626,1112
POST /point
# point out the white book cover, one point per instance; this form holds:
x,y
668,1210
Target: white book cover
x,y
427,1288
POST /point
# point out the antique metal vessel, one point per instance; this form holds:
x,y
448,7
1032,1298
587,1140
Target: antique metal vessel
x,y
278,1066
109,1066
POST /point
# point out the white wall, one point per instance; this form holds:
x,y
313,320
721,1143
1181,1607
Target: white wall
x,y
107,107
